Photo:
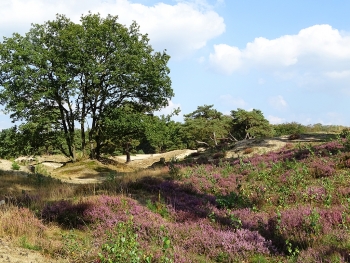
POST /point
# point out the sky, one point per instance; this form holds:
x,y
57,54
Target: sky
x,y
290,59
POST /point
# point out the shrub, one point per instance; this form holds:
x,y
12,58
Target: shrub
x,y
233,200
289,128
15,166
122,245
345,133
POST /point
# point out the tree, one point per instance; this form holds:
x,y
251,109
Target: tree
x,y
249,124
205,126
164,134
9,143
123,128
66,73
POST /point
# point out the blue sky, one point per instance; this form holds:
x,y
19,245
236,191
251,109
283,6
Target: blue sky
x,y
289,59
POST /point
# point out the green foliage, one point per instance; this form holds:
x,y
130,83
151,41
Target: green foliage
x,y
175,170
123,128
9,147
26,244
158,207
250,124
76,246
15,166
163,134
233,200
122,245
205,126
289,128
345,133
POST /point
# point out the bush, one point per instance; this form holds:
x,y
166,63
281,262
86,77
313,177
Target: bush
x,y
15,166
289,128
345,133
122,245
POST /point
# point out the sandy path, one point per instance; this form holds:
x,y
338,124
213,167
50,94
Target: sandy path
x,y
146,160
12,254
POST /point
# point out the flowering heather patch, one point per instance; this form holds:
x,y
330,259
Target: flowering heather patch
x,y
198,236
273,157
322,167
314,194
291,225
305,225
329,148
335,249
344,160
333,217
285,177
202,238
251,220
184,203
107,211
209,179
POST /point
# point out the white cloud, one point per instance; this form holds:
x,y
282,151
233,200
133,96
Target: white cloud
x,y
275,120
315,48
181,28
278,102
226,59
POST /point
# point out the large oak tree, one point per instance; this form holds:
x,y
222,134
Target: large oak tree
x,y
67,74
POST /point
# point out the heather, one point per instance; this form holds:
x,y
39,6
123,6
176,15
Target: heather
x,y
291,205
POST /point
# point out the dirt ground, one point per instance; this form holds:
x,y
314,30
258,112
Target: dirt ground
x,y
141,161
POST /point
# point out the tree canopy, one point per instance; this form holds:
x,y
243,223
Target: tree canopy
x,y
205,126
250,124
61,74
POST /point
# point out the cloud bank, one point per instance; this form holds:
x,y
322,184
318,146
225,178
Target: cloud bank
x,y
181,28
319,50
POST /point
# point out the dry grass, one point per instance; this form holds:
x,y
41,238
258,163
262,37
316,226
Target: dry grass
x,y
17,222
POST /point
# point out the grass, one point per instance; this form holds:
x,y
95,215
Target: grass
x,y
287,206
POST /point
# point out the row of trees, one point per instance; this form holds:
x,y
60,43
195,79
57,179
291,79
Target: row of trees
x,y
126,130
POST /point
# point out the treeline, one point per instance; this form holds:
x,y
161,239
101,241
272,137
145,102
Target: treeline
x,y
126,131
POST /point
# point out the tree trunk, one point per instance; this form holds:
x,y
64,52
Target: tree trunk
x,y
83,139
127,152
